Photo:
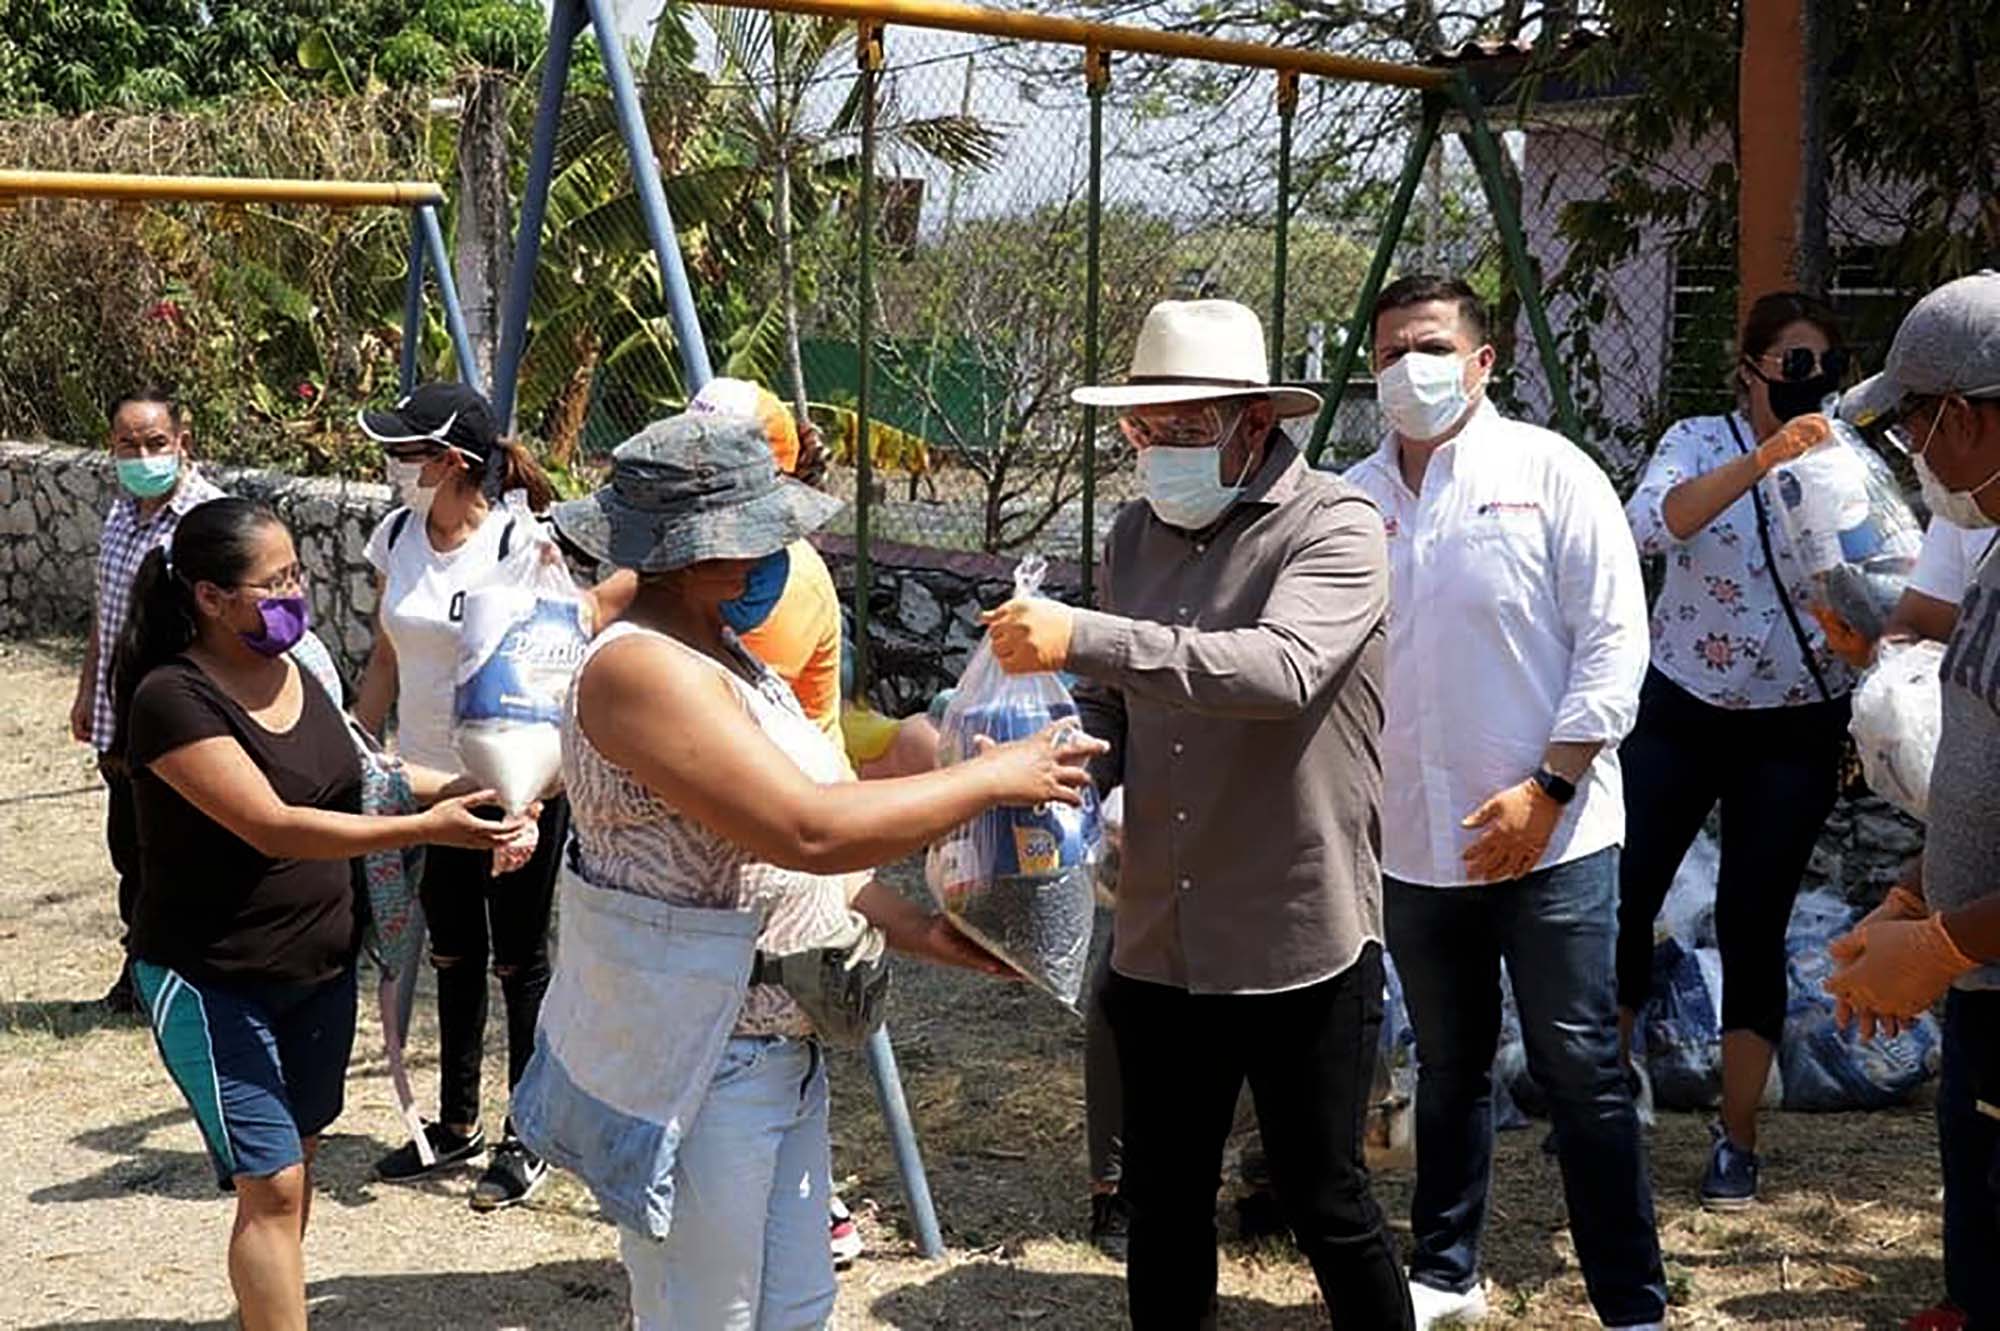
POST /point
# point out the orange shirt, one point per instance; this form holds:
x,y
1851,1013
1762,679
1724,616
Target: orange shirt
x,y
801,639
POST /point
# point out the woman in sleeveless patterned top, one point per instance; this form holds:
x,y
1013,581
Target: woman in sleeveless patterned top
x,y
694,779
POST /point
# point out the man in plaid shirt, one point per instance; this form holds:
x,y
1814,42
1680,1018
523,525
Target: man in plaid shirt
x,y
151,446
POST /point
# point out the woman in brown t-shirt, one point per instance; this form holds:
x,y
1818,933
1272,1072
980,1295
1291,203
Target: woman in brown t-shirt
x,y
248,794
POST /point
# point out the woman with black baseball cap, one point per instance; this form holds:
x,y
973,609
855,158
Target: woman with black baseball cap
x,y
449,464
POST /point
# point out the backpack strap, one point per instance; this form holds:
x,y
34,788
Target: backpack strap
x,y
506,538
396,525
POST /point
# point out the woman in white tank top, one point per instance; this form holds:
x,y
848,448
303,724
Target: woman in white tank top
x,y
699,790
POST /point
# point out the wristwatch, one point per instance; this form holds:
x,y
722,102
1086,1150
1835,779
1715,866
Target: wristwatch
x,y
1557,788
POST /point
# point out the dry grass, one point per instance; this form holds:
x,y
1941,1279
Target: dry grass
x,y
108,1217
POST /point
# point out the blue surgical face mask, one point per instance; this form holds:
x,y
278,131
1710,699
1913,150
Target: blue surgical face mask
x,y
762,586
1183,485
149,477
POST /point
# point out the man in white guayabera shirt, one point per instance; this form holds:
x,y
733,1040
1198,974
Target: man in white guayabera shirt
x,y
1517,643
1938,934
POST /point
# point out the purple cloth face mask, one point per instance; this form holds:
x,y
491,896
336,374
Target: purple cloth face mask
x,y
285,619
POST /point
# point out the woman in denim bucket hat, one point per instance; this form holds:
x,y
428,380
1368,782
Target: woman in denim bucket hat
x,y
713,822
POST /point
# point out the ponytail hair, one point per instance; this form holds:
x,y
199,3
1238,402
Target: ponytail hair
x,y
520,471
215,542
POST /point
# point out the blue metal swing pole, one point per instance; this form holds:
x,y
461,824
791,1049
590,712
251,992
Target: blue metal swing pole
x,y
565,20
454,313
652,198
903,1142
413,309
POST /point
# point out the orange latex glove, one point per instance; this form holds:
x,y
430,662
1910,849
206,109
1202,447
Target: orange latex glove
x,y
1794,439
1847,642
1900,904
1896,968
1030,635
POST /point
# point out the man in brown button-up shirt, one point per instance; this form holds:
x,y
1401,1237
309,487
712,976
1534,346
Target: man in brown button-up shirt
x,y
1236,669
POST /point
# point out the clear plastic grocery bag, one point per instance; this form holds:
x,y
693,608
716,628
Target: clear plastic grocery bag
x,y
1018,881
521,640
1851,529
1898,712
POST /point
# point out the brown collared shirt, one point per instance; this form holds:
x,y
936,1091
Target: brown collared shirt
x,y
1237,673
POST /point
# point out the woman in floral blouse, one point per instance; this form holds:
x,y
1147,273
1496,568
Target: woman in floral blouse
x,y
1744,705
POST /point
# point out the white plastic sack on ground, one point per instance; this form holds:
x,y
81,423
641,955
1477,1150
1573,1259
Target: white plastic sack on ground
x,y
1847,521
1897,715
1688,913
1018,881
520,642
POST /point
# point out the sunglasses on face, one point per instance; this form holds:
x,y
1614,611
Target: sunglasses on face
x,y
416,452
1798,364
1183,429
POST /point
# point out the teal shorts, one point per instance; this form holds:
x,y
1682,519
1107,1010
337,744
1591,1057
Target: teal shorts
x,y
262,1066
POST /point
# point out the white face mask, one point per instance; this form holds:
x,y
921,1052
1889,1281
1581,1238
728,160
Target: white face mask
x,y
1958,507
1183,485
408,478
1423,395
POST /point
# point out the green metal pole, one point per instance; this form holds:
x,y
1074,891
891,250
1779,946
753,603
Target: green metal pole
x,y
1507,214
1288,105
1361,331
868,50
1097,73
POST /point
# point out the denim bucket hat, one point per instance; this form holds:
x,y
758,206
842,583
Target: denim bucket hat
x,y
691,488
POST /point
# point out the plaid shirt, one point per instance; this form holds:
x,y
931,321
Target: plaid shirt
x,y
126,540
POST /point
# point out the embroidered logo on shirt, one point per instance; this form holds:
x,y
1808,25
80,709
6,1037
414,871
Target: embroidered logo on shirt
x,y
1500,508
1391,527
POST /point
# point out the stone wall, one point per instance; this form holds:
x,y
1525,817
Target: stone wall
x,y
923,607
922,611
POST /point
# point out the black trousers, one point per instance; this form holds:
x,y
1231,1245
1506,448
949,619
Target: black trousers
x,y
1776,773
121,837
1309,1056
473,917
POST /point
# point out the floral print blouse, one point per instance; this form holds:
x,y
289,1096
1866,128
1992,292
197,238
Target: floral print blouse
x,y
1718,628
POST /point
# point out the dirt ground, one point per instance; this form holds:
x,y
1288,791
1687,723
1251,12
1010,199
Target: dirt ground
x,y
109,1217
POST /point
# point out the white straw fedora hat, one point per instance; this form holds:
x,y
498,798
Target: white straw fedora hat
x,y
1195,351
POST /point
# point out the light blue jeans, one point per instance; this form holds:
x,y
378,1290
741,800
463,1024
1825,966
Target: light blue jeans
x,y
747,1250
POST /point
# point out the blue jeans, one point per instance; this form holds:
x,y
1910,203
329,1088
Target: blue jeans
x,y
1969,1148
1557,931
747,1249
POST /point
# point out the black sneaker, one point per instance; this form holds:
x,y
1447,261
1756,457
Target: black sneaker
x,y
511,1177
1730,1182
1110,1224
403,1163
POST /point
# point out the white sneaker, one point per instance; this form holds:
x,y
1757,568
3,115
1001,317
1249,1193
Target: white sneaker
x,y
1437,1307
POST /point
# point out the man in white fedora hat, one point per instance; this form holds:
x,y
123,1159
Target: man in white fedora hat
x,y
1517,647
1236,669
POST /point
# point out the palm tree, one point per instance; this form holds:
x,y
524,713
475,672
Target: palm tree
x,y
770,64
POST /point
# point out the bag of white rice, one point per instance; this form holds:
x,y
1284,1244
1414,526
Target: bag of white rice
x,y
521,640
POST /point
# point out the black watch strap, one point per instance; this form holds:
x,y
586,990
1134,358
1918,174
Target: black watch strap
x,y
1557,788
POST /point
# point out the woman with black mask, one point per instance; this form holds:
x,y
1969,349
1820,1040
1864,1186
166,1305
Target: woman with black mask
x,y
1744,705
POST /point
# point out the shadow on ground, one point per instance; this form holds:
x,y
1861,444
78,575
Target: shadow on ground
x,y
573,1296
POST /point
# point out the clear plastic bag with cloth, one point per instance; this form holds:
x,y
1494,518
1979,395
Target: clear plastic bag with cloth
x,y
1898,712
521,639
1018,881
1851,529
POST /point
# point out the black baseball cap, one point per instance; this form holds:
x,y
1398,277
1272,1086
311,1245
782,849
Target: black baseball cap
x,y
446,413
